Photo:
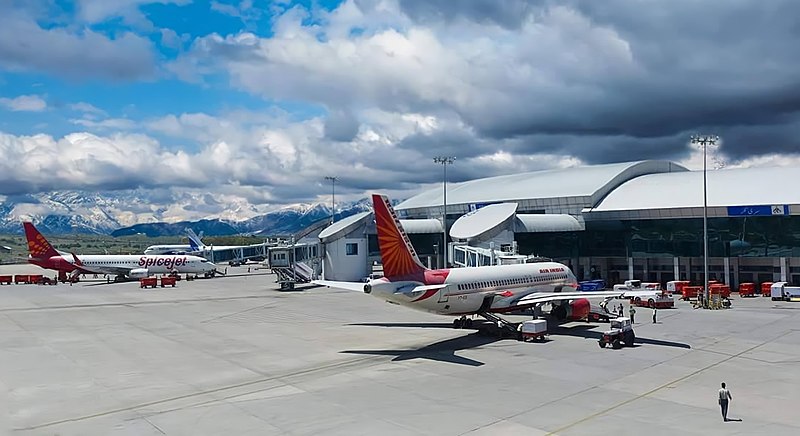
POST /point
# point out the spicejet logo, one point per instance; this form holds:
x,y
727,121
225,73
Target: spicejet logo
x,y
167,262
39,246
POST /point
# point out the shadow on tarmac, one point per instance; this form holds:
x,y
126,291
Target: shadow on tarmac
x,y
442,351
588,332
419,325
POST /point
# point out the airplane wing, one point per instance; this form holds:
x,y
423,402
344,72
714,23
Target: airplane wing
x,y
116,270
419,290
546,297
350,286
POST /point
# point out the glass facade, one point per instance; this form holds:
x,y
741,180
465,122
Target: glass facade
x,y
770,236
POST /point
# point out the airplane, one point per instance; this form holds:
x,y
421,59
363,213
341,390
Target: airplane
x,y
42,254
486,291
194,246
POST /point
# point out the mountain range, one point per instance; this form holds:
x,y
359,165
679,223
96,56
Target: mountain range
x,y
131,212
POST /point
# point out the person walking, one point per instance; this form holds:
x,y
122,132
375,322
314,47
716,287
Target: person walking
x,y
621,310
654,315
724,398
632,311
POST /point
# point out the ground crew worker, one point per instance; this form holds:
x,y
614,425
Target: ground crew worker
x,y
632,311
621,310
654,315
724,398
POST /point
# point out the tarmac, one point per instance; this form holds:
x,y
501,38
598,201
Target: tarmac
x,y
237,356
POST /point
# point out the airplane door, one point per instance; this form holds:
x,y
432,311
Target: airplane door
x,y
444,294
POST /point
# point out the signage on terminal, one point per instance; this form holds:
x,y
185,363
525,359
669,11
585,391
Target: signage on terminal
x,y
775,209
475,206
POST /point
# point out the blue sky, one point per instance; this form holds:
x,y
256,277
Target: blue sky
x,y
248,104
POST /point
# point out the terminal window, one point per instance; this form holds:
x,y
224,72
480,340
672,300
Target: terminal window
x,y
351,249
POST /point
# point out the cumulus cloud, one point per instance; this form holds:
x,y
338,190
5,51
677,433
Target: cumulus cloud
x,y
73,52
572,75
24,103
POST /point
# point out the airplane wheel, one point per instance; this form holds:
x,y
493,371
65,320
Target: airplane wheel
x,y
457,323
467,323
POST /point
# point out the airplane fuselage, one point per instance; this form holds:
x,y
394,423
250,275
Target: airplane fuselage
x,y
101,264
467,289
168,249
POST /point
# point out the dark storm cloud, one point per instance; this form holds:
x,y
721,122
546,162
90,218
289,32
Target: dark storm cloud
x,y
506,13
729,65
446,143
341,125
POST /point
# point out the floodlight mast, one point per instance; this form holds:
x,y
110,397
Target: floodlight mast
x,y
444,161
333,180
705,141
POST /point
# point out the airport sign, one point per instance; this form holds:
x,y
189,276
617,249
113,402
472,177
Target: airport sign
x,y
764,210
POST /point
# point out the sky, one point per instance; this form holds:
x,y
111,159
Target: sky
x,y
252,103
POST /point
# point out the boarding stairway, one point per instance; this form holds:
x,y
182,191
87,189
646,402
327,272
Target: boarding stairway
x,y
288,276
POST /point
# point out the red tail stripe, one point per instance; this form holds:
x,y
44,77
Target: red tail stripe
x,y
397,253
38,246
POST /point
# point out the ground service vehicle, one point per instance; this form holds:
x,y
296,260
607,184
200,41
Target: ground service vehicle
x,y
168,281
766,289
724,291
592,285
747,289
5,280
780,291
621,332
659,299
676,286
689,292
148,282
533,330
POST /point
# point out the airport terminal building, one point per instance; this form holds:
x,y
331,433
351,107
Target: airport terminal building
x,y
639,220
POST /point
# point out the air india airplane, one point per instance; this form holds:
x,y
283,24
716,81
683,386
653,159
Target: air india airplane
x,y
485,291
43,254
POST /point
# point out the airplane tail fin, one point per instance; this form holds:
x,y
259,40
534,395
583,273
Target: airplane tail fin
x,y
397,253
38,246
194,241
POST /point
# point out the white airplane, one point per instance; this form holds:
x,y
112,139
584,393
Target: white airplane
x,y
485,291
195,245
43,254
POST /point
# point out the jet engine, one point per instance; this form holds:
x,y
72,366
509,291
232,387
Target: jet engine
x,y
574,311
138,273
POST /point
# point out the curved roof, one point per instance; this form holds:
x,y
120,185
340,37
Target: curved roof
x,y
595,181
734,187
343,226
483,220
347,225
415,227
538,223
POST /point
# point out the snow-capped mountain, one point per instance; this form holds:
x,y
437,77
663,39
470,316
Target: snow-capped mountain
x,y
153,213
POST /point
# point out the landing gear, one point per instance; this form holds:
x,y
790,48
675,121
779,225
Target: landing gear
x,y
462,323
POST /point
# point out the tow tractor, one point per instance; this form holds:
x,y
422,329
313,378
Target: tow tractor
x,y
621,332
659,299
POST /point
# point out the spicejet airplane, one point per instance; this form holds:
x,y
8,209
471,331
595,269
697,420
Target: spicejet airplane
x,y
484,291
131,266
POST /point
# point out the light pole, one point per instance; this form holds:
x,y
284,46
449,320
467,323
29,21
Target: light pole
x,y
444,161
333,180
705,140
